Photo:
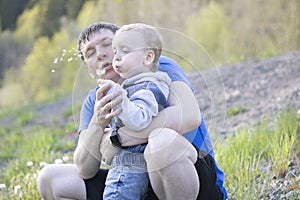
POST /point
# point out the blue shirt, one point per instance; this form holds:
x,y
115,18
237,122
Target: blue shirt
x,y
199,137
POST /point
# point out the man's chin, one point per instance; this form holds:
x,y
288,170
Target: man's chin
x,y
112,76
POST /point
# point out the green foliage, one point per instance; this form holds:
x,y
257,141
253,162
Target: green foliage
x,y
8,52
235,110
284,141
50,13
26,30
230,31
9,11
265,28
37,76
90,13
20,181
46,73
25,153
32,152
244,152
73,8
9,143
12,90
212,29
71,110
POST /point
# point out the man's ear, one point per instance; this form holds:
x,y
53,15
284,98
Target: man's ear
x,y
149,57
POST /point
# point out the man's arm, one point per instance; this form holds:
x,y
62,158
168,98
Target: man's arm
x,y
182,115
87,157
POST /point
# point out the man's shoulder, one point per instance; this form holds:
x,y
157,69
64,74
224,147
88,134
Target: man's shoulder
x,y
166,60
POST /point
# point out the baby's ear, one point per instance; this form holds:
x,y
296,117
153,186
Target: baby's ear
x,y
149,57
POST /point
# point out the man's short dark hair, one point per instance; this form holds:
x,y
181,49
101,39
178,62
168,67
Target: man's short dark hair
x,y
85,33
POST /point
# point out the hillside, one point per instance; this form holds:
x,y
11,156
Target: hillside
x,y
230,97
249,91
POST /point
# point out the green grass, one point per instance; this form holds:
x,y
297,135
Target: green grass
x,y
235,110
23,154
240,156
74,108
244,152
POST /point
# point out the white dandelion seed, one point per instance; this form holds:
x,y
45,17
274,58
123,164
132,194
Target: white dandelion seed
x,y
55,61
17,188
27,177
20,194
35,175
2,186
29,163
70,59
42,164
65,158
58,161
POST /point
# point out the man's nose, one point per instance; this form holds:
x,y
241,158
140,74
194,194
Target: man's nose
x,y
100,53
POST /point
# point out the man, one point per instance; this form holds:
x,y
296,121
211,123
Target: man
x,y
176,170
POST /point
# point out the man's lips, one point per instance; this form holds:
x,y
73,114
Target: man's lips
x,y
106,65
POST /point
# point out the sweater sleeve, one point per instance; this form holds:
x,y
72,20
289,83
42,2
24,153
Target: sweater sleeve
x,y
138,110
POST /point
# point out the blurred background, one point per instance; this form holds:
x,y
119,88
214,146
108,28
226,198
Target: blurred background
x,y
221,45
38,38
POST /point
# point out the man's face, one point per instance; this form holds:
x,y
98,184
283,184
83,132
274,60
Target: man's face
x,y
98,55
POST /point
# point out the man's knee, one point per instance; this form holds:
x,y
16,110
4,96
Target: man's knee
x,y
43,175
165,147
43,181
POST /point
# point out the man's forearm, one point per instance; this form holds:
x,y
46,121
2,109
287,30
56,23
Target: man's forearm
x,y
87,157
189,115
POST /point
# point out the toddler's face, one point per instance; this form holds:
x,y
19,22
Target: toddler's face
x,y
129,53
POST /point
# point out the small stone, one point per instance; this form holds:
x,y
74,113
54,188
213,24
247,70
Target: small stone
x,y
293,193
298,113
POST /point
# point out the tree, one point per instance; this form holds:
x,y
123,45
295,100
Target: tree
x,y
9,12
212,29
49,16
73,8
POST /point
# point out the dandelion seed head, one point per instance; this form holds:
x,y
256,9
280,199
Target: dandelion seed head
x,y
100,72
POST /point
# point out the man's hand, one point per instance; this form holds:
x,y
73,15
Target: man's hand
x,y
108,96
